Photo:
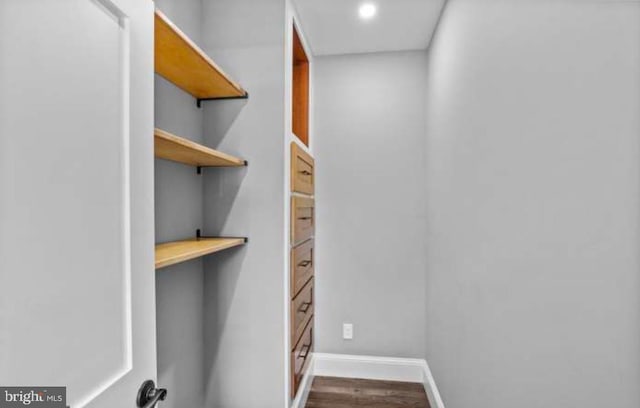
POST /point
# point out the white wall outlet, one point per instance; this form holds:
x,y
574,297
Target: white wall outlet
x,y
347,331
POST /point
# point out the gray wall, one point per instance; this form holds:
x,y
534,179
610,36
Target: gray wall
x,y
178,213
533,283
244,288
221,318
370,238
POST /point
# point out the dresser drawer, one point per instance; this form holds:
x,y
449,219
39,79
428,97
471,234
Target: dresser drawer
x,y
301,311
302,265
300,357
302,170
302,219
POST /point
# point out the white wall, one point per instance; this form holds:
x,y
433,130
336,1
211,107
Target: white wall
x,y
244,288
533,281
178,213
370,176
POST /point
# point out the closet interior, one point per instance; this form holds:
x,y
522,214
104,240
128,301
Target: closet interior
x,y
202,118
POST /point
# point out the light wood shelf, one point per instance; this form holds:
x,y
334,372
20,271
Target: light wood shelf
x,y
181,61
171,253
181,150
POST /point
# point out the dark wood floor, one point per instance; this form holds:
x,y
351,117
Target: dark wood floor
x,y
331,392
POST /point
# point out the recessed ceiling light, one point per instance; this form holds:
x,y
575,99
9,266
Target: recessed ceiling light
x,y
367,11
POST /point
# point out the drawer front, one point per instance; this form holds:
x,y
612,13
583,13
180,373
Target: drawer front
x,y
300,357
302,171
302,265
301,312
303,219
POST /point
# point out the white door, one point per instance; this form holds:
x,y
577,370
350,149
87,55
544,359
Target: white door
x,y
77,304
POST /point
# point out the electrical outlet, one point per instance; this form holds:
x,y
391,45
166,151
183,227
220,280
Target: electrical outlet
x,y
347,331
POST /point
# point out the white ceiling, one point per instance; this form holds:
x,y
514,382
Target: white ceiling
x,y
334,27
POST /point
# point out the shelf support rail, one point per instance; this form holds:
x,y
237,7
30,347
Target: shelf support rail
x,y
199,235
199,168
220,98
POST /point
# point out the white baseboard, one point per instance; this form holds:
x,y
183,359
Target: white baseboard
x,y
377,368
435,400
305,386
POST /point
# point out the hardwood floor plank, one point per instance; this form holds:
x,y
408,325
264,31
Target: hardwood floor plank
x,y
378,384
375,392
332,392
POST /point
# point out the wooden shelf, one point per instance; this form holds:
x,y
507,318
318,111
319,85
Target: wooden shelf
x,y
172,253
181,150
300,95
181,61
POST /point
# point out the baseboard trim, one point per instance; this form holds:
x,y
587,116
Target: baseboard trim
x,y
305,386
435,400
378,368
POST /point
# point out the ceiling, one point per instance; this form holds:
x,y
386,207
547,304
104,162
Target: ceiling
x,y
334,27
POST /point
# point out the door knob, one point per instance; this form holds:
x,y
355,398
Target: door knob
x,y
149,395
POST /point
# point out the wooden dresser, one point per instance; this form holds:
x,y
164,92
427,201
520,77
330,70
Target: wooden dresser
x,y
301,263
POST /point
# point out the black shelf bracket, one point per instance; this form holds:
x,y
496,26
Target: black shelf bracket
x,y
199,235
220,98
199,168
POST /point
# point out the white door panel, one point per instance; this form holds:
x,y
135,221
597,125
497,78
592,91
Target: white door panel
x,y
76,229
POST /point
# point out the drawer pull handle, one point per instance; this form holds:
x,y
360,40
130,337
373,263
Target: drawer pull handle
x,y
304,308
304,218
305,263
304,351
305,173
